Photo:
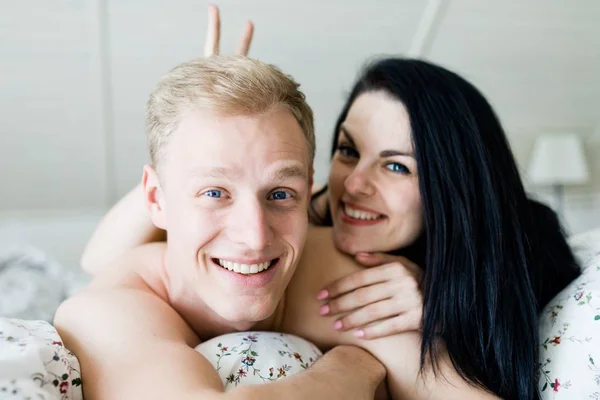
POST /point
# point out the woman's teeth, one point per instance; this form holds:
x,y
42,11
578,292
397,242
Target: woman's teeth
x,y
357,214
246,269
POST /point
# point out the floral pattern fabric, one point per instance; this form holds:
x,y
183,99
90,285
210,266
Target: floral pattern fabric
x,y
258,357
569,363
34,364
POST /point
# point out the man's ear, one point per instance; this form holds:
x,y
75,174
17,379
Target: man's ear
x,y
311,179
154,197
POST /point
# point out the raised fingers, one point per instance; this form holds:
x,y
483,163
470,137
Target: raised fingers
x,y
244,45
213,32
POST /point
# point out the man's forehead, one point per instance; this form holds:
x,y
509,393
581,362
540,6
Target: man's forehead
x,y
261,139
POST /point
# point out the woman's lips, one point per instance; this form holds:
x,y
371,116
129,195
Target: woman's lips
x,y
358,215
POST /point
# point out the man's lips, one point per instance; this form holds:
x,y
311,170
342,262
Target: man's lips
x,y
247,279
246,267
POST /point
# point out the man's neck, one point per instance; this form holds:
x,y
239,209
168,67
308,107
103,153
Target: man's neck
x,y
199,316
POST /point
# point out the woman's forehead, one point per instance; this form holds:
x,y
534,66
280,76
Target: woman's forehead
x,y
379,119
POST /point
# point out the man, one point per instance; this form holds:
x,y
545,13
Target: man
x,y
232,146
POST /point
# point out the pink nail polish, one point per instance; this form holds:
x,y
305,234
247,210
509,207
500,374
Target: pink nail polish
x,y
324,310
337,325
323,294
359,334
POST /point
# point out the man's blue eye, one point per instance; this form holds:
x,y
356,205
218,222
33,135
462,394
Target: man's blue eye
x,y
280,195
214,193
398,168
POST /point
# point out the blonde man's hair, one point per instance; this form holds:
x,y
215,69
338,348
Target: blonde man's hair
x,y
232,85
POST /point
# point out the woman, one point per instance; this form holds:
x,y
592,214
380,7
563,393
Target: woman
x,y
422,171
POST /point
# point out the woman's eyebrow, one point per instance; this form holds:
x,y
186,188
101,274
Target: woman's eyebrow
x,y
384,153
392,153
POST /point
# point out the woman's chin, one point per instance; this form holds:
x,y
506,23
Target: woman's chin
x,y
352,245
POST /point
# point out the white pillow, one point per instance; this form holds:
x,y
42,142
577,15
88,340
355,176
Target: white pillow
x,y
569,363
247,358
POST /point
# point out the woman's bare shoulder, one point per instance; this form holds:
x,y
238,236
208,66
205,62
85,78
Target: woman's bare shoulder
x,y
319,236
322,260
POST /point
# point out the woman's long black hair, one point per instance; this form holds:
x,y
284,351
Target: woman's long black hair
x,y
492,258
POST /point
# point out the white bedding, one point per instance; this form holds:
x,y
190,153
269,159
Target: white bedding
x,y
32,284
39,260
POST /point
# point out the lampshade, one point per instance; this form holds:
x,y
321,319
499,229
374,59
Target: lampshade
x,y
558,159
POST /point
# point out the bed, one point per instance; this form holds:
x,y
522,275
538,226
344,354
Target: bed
x,y
36,275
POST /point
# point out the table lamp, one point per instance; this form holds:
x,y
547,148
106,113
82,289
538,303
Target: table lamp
x,y
558,160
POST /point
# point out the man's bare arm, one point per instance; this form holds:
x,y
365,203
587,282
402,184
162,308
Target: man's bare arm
x,y
133,345
124,227
400,354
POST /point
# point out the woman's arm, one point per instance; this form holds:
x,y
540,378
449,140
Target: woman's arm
x,y
382,299
126,226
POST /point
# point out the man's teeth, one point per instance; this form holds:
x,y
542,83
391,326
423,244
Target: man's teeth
x,y
245,269
357,214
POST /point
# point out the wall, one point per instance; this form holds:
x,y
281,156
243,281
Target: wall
x,y
75,75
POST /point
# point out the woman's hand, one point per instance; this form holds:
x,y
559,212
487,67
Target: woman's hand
x,y
381,300
213,34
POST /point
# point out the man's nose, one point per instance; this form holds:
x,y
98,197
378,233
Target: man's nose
x,y
250,226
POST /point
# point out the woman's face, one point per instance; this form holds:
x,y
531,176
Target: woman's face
x,y
373,184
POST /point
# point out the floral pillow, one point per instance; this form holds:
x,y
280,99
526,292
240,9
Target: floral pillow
x,y
258,357
569,364
34,364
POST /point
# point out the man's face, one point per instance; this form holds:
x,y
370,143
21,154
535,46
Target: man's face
x,y
234,203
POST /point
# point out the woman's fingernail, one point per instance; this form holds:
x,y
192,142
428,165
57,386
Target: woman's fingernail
x,y
337,325
323,294
324,309
359,333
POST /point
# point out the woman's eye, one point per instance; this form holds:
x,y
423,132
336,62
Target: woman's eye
x,y
347,151
397,168
213,193
280,195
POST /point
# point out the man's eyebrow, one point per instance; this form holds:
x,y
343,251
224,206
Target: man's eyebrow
x,y
347,134
284,173
217,173
290,172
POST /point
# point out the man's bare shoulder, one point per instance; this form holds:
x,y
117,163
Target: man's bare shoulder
x,y
129,335
128,290
135,311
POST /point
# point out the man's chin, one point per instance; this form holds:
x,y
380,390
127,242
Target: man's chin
x,y
243,311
